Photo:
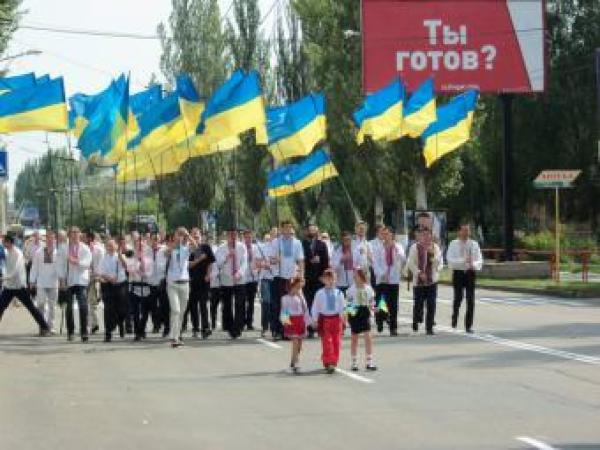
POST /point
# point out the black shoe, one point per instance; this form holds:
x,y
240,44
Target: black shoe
x,y
311,334
155,330
469,330
454,322
45,332
95,329
108,338
137,338
70,337
372,367
84,338
166,333
379,327
330,369
415,327
249,328
430,332
393,333
206,333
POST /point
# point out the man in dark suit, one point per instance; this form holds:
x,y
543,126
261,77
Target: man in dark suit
x,y
316,260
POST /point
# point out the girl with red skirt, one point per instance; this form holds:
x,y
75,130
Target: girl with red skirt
x,y
295,318
328,312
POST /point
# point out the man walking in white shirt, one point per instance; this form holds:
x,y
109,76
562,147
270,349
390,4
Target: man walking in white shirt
x,y
388,262
287,262
77,275
232,259
464,258
14,283
94,295
43,278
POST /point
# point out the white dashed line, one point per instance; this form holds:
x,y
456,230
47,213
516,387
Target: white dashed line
x,y
268,343
354,376
535,443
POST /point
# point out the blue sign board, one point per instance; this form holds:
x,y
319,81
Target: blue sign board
x,y
3,164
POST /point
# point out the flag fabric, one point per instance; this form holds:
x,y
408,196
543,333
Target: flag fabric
x,y
190,104
106,133
295,129
452,127
419,111
35,108
161,127
141,101
313,170
17,82
235,107
139,166
380,116
43,79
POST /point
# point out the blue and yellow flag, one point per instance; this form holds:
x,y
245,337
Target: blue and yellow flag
x,y
419,110
235,107
380,116
106,133
161,127
141,101
452,128
139,166
313,170
295,129
190,104
36,108
17,82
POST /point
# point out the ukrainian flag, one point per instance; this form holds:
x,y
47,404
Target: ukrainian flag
x,y
141,101
419,111
235,107
190,104
295,129
25,80
138,166
36,108
161,127
291,178
106,132
452,128
380,117
43,79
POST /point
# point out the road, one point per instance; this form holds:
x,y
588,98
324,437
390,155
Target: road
x,y
528,378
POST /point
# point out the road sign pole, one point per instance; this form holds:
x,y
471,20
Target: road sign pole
x,y
557,228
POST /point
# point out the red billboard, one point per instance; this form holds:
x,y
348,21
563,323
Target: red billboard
x,y
492,45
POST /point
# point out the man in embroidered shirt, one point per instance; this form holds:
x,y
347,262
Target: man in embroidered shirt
x,y
464,258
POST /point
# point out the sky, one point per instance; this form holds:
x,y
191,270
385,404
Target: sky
x,y
87,63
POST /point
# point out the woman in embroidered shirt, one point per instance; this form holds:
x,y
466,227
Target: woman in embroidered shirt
x,y
295,318
360,305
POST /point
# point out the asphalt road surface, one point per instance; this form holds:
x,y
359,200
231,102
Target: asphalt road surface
x,y
528,378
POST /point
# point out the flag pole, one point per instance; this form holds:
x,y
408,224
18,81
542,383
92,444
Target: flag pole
x,y
123,198
137,195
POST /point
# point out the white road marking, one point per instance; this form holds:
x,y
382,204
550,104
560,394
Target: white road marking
x,y
268,343
354,376
525,346
535,443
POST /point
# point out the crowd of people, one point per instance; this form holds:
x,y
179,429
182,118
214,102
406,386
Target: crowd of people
x,y
181,280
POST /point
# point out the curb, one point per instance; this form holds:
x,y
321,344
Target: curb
x,y
551,293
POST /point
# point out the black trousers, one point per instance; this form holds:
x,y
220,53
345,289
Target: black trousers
x,y
234,297
216,297
463,281
424,296
198,307
80,294
389,292
280,288
155,313
141,310
115,299
23,296
251,289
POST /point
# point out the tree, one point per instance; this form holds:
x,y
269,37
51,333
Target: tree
x,y
9,18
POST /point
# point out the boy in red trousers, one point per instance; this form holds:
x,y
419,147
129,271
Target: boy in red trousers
x,y
328,312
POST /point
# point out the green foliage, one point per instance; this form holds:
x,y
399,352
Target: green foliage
x,y
9,18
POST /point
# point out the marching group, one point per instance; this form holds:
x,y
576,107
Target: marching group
x,y
305,286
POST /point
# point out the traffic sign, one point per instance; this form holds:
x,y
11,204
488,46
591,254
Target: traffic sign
x,y
548,179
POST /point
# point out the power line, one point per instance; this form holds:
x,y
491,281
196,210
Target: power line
x,y
89,32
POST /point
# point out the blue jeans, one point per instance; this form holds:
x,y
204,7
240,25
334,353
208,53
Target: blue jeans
x,y
80,294
265,304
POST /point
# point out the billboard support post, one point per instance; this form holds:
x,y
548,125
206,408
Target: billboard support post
x,y
507,177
